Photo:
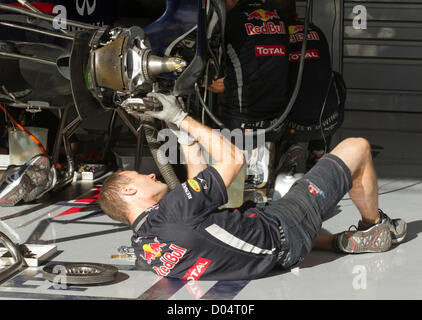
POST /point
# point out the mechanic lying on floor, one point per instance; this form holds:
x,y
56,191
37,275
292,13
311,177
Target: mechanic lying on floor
x,y
182,234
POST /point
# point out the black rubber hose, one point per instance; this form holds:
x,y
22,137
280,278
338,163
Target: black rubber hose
x,y
295,92
166,169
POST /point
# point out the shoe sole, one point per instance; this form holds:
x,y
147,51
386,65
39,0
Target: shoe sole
x,y
376,239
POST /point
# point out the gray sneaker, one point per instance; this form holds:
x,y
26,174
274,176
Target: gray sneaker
x,y
375,239
398,227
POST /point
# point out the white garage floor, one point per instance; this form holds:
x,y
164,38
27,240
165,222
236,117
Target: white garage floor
x,y
82,234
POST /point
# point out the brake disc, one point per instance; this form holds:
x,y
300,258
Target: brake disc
x,y
80,273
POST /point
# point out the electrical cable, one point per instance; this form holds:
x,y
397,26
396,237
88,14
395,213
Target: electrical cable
x,y
207,68
322,112
331,78
222,52
332,30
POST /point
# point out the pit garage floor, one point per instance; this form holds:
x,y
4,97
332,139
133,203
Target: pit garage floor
x,y
71,221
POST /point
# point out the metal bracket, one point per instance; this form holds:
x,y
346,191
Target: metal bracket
x,y
16,255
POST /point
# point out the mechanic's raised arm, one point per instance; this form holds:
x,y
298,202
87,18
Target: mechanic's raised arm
x,y
229,160
195,162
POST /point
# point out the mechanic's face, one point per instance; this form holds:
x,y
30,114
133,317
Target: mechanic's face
x,y
146,186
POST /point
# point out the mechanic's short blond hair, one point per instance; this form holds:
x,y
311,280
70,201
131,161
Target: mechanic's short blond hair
x,y
110,200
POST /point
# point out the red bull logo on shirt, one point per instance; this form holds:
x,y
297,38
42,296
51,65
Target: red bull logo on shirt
x,y
296,29
152,250
314,190
170,260
262,15
298,37
267,27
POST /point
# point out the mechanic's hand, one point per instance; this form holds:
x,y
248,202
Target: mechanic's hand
x,y
217,86
171,113
182,136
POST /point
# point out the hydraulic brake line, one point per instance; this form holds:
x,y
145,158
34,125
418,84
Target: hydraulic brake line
x,y
293,98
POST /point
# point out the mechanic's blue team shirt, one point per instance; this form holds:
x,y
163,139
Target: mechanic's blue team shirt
x,y
316,78
256,39
185,236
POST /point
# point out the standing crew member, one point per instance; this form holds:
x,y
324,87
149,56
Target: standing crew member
x,y
319,108
255,83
